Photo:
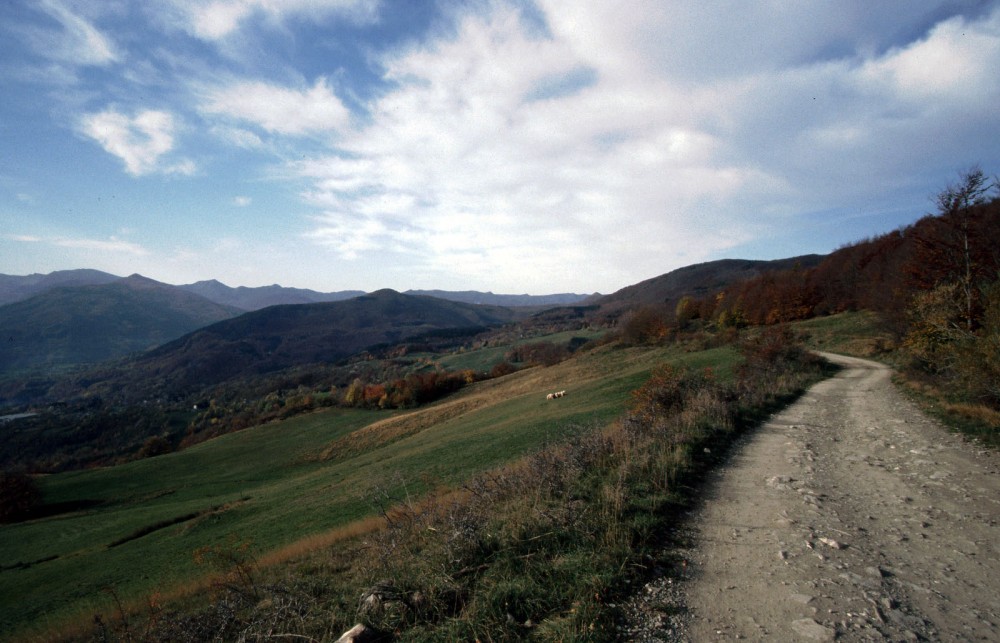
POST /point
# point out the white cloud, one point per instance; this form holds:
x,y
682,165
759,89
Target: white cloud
x,y
25,238
139,141
242,201
956,62
632,139
217,19
468,166
279,109
79,42
112,245
239,137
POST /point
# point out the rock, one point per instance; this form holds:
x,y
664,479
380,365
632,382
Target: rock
x,y
357,634
812,630
833,544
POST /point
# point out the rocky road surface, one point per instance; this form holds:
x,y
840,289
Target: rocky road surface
x,y
848,516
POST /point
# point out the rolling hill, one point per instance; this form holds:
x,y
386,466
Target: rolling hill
x,y
281,337
699,280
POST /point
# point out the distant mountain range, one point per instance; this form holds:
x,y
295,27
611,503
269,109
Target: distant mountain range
x,y
249,299
209,330
514,301
68,325
17,288
75,317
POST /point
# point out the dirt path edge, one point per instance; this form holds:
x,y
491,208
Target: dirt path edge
x,y
850,515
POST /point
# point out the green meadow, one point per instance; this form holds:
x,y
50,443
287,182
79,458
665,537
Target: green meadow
x,y
132,530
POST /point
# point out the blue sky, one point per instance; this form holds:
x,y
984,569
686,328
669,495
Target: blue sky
x,y
516,147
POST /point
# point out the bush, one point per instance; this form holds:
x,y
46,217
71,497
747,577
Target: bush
x,y
19,495
502,368
646,325
540,353
155,445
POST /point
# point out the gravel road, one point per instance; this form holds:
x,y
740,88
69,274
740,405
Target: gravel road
x,y
848,516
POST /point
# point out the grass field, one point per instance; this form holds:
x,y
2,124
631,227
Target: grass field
x,y
855,333
136,527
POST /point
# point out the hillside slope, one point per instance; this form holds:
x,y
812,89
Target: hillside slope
x,y
699,280
73,325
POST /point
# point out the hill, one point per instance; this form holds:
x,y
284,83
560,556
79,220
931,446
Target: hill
x,y
69,325
249,299
17,288
699,280
281,337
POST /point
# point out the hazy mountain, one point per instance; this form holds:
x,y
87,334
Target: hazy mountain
x,y
699,280
17,288
490,299
250,299
71,325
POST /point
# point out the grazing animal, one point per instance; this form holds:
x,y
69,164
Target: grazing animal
x,y
550,396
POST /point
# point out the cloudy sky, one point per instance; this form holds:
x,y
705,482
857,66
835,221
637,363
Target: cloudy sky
x,y
533,146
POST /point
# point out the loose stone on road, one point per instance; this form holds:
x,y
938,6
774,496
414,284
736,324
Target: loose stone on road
x,y
848,516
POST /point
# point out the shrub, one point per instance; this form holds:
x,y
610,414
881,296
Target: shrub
x,y
646,325
502,368
19,495
155,445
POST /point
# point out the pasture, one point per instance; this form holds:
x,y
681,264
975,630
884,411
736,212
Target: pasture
x,y
132,530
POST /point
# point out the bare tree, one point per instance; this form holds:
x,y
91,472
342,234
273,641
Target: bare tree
x,y
956,206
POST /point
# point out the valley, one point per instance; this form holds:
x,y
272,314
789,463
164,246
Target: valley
x,y
267,454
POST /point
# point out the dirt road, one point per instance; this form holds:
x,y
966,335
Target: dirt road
x,y
850,515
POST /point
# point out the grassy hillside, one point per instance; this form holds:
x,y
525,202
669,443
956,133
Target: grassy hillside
x,y
135,527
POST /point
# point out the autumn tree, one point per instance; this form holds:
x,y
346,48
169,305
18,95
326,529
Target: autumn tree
x,y
645,325
953,248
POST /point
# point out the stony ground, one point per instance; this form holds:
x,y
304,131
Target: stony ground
x,y
849,516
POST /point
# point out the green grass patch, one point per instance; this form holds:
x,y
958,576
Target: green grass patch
x,y
139,524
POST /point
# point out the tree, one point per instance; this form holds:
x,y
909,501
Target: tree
x,y
951,253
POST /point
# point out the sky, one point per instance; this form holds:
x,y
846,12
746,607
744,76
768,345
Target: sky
x,y
519,147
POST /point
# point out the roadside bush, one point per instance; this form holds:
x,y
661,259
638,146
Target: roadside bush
x,y
770,357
